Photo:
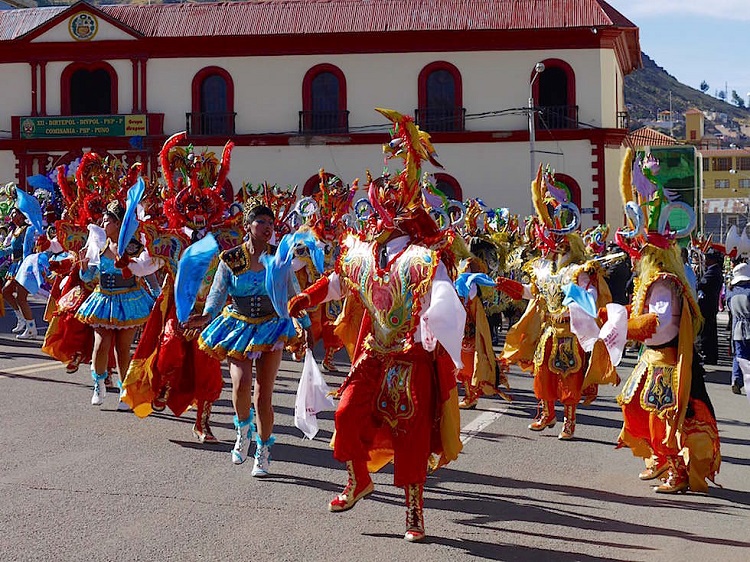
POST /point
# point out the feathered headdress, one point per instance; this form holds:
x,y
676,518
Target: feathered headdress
x,y
557,216
98,181
648,207
398,199
194,182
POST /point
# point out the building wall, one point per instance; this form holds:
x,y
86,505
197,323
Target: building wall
x,y
15,94
268,90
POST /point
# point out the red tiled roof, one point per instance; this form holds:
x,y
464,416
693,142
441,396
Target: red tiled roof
x,y
648,137
295,17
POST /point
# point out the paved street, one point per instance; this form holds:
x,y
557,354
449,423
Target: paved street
x,y
86,483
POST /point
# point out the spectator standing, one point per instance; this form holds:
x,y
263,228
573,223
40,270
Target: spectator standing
x,y
709,289
738,299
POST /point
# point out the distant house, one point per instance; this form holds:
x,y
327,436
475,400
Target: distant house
x,y
294,84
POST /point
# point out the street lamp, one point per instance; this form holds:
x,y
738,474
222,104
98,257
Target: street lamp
x,y
538,69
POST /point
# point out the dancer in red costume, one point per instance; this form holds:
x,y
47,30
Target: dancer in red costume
x,y
168,368
399,401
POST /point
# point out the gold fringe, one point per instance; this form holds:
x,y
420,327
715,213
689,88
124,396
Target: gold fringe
x,y
537,198
626,178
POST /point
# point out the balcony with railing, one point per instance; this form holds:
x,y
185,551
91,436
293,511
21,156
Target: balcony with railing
x,y
210,123
557,117
323,122
441,120
623,120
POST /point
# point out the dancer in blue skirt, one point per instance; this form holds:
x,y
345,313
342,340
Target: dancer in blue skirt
x,y
248,331
119,304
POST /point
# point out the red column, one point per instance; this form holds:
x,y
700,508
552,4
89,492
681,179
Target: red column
x,y
43,88
134,62
143,86
33,89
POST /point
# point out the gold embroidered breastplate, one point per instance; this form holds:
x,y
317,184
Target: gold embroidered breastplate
x,y
391,297
549,283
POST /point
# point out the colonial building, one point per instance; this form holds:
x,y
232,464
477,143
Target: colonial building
x,y
294,84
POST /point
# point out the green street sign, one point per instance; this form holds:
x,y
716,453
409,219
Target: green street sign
x,y
83,126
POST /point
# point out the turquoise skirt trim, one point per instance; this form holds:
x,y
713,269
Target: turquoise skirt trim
x,y
239,337
115,309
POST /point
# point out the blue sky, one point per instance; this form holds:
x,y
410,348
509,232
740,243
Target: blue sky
x,y
696,40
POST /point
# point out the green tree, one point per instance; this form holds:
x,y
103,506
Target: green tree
x,y
704,86
737,100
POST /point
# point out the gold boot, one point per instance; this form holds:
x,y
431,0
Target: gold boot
x,y
201,429
358,486
569,425
414,512
677,478
545,416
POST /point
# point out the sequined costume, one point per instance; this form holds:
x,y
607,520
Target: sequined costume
x,y
668,419
13,251
118,301
249,325
542,340
168,368
387,407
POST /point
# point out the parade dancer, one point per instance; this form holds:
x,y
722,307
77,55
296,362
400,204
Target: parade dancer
x,y
168,368
13,293
542,340
249,332
324,215
119,304
396,403
668,419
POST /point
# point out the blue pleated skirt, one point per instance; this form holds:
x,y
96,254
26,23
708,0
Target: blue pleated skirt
x,y
241,338
116,308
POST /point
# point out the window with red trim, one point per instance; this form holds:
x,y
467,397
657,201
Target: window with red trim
x,y
440,98
449,186
324,101
570,186
555,96
88,89
213,103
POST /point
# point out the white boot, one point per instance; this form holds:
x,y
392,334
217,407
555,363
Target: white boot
x,y
29,332
262,464
100,389
122,405
21,324
245,430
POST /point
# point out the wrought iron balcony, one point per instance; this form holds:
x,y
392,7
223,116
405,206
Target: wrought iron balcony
x,y
210,123
623,120
323,122
557,117
441,120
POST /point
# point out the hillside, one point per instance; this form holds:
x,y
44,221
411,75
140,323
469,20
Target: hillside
x,y
647,92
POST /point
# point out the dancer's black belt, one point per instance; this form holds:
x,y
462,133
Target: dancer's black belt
x,y
256,306
115,281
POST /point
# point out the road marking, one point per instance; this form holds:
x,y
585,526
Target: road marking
x,y
28,369
474,427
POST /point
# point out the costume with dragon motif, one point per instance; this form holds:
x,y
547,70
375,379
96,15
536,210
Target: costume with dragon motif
x,y
168,368
668,417
542,340
399,400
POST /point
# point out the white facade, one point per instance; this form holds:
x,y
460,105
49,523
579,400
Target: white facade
x,y
490,159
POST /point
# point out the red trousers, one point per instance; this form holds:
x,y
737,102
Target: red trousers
x,y
364,420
